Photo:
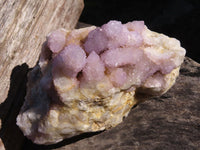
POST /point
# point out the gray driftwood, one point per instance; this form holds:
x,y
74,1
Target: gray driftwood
x,y
24,25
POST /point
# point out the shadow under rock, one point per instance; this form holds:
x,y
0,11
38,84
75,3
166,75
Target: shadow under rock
x,y
10,134
31,146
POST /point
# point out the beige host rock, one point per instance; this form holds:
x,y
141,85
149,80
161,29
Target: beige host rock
x,y
95,94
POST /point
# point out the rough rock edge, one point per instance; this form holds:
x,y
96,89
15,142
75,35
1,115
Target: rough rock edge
x,y
38,119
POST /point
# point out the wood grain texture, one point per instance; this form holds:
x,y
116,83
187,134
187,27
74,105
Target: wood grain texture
x,y
24,25
1,143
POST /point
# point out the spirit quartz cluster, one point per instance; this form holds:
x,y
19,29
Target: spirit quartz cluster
x,y
86,79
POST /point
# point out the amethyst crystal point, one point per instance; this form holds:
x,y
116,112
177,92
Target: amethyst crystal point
x,y
86,79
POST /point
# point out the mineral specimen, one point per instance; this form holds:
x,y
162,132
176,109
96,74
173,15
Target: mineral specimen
x,y
87,79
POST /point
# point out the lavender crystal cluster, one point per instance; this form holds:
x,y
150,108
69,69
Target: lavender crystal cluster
x,y
114,51
86,79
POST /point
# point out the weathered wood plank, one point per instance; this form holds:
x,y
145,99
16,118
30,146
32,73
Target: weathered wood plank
x,y
24,25
1,143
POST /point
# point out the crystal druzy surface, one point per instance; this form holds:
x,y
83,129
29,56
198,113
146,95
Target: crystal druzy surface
x,y
86,80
